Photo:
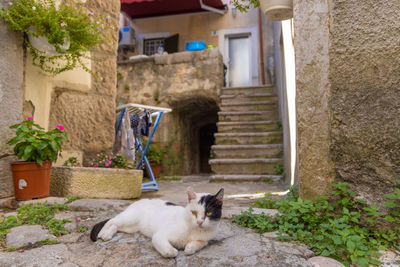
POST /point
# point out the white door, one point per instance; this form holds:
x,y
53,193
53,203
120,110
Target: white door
x,y
239,65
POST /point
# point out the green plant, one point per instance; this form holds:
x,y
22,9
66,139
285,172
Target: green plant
x,y
49,242
279,125
111,161
268,180
337,226
40,213
67,23
156,153
127,87
71,199
32,143
82,229
72,162
173,178
157,96
279,170
244,6
212,154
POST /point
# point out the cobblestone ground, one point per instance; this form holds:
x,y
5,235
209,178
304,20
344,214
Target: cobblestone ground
x,y
233,246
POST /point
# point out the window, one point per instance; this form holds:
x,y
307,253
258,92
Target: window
x,y
151,45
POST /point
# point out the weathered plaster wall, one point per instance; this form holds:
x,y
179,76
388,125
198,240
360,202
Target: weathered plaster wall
x,y
11,97
86,106
187,82
205,26
348,95
315,167
365,86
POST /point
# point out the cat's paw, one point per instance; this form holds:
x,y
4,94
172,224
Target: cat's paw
x,y
190,249
171,253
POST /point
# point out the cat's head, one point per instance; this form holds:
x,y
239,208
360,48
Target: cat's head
x,y
204,210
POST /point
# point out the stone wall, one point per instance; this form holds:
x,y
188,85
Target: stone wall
x,y
87,112
11,97
187,82
365,87
348,95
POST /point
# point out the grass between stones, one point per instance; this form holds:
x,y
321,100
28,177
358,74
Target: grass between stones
x,y
173,178
338,226
41,214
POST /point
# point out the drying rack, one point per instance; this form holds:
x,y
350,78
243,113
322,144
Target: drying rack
x,y
154,111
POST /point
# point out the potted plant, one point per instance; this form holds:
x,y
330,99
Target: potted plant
x,y
155,155
58,37
36,149
105,176
273,9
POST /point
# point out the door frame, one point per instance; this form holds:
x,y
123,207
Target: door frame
x,y
223,45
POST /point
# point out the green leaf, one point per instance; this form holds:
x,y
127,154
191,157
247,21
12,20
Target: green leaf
x,y
390,196
53,145
15,126
350,245
389,204
337,240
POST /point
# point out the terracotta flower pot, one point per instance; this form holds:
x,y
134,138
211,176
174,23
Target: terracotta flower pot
x,y
277,9
31,180
156,168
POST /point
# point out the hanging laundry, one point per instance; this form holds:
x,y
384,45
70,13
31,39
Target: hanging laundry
x,y
125,139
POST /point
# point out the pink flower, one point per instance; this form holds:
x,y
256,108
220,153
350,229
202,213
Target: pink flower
x,y
96,165
22,251
176,146
60,127
90,12
109,162
29,118
63,24
78,165
78,220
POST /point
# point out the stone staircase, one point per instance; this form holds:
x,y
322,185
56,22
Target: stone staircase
x,y
249,141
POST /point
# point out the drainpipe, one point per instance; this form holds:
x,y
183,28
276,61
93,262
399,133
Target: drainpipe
x,y
260,37
212,9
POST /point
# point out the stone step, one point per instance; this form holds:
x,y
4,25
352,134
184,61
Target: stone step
x,y
247,151
263,115
250,166
247,126
273,137
247,90
250,106
228,99
245,178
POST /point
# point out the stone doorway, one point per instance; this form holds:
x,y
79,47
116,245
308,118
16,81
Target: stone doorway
x,y
195,122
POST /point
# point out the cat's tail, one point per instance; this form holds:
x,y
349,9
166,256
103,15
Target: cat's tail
x,y
96,230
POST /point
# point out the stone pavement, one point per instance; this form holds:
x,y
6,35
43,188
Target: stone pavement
x,y
233,246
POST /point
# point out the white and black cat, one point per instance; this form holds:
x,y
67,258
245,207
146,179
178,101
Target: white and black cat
x,y
170,227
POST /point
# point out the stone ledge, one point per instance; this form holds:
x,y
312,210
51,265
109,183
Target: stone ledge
x,y
175,58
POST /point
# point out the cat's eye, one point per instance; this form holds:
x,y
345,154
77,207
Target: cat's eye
x,y
208,213
194,213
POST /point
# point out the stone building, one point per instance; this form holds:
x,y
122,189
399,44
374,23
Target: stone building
x,y
83,104
195,85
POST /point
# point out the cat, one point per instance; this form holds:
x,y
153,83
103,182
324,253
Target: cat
x,y
170,227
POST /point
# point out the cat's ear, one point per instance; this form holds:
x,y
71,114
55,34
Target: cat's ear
x,y
191,194
220,196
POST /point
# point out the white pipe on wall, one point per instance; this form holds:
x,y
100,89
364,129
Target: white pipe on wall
x,y
212,9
